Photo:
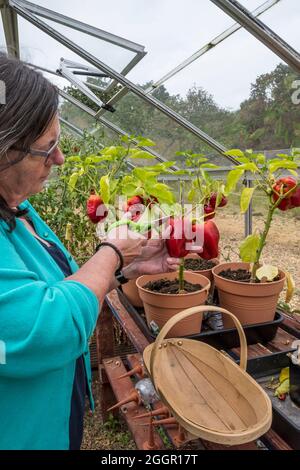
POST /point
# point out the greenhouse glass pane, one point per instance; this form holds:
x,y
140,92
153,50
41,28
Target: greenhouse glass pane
x,y
137,117
111,54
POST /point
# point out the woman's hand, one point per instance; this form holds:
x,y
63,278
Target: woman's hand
x,y
154,259
130,243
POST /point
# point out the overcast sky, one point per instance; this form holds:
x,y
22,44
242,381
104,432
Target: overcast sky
x,y
171,30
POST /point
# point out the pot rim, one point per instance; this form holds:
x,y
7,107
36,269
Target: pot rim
x,y
205,279
281,272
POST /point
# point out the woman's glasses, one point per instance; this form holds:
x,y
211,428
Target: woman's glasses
x,y
43,153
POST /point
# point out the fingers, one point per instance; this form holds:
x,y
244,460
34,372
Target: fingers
x,y
173,263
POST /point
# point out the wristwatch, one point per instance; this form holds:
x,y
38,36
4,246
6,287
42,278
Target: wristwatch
x,y
119,275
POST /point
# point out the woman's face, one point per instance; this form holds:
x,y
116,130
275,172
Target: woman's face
x,y
28,176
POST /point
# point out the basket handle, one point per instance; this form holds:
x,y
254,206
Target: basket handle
x,y
191,311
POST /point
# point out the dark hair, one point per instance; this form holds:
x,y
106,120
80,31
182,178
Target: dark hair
x,y
31,102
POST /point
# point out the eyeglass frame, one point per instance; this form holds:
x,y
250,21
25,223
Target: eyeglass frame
x,y
40,153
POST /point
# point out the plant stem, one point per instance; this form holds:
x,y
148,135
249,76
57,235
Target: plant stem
x,y
181,276
262,240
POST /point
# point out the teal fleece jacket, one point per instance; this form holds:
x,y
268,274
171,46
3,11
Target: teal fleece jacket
x,y
45,325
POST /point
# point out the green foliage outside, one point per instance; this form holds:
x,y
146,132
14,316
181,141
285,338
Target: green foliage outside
x,y
266,120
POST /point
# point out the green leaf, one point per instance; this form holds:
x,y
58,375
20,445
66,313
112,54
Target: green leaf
x,y
144,142
234,153
74,158
143,174
135,153
129,189
250,166
282,164
249,247
246,197
73,181
233,178
160,166
105,188
161,192
260,158
209,165
268,271
191,195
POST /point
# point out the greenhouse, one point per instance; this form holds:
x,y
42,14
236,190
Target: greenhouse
x,y
149,227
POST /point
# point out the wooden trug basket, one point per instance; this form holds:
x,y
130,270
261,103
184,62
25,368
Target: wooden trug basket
x,y
210,396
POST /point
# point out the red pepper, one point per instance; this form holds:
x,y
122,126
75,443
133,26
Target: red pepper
x,y
133,205
94,212
282,396
281,187
176,244
295,198
209,212
151,201
211,241
213,200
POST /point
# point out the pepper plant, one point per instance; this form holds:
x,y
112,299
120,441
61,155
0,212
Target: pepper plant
x,y
281,192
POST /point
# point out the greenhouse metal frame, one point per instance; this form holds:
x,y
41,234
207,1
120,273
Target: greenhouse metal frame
x,y
70,70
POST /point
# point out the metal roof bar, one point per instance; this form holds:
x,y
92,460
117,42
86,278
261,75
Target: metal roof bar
x,y
262,32
10,26
82,27
137,49
120,78
71,126
68,74
210,45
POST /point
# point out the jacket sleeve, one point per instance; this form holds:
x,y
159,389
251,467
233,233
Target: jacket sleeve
x,y
42,327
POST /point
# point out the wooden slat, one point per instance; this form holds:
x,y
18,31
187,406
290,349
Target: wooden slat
x,y
274,442
104,342
291,324
129,326
114,367
282,341
254,350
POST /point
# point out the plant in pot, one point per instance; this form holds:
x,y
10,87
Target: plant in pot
x,y
114,191
208,193
250,289
165,295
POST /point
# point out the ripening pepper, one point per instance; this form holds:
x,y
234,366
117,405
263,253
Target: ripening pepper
x,y
133,205
213,200
209,212
295,198
176,244
281,187
95,209
211,241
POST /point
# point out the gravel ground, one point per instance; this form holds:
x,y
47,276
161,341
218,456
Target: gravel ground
x,y
282,250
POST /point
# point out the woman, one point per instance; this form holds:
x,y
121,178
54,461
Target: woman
x,y
48,307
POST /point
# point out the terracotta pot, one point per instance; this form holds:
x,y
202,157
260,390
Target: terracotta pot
x,y
249,302
205,272
132,293
161,307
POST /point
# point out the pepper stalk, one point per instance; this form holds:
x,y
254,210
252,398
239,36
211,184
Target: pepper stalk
x,y
181,276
